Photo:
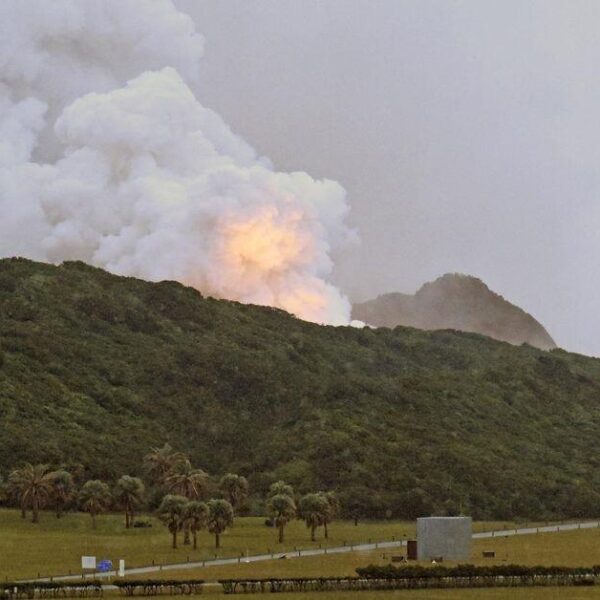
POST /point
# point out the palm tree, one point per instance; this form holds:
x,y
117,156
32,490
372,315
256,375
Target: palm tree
x,y
333,506
220,517
313,509
170,512
14,489
3,489
235,489
94,498
160,461
281,487
195,516
186,481
282,510
62,490
31,485
129,494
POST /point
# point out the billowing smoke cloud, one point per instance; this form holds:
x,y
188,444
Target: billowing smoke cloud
x,y
107,156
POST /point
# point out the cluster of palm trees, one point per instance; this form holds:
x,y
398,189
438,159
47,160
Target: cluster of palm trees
x,y
35,487
316,509
183,490
182,508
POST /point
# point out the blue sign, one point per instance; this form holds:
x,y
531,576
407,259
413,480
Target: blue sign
x,y
105,565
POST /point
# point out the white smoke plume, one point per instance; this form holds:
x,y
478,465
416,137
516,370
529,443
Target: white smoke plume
x,y
107,156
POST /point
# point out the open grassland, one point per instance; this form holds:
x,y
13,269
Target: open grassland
x,y
55,546
569,548
334,565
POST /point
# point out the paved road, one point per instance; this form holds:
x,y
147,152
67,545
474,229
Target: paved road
x,y
322,551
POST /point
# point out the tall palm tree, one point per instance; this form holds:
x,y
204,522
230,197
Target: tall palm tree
x,y
32,486
195,516
281,488
94,498
282,509
333,506
62,490
160,461
235,489
14,489
170,512
312,510
220,517
129,494
186,481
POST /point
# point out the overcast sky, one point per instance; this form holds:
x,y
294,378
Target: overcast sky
x,y
467,135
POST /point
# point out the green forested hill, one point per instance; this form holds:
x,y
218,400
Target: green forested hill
x,y
96,368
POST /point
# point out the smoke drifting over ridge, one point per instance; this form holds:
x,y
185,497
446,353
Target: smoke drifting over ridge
x,y
107,156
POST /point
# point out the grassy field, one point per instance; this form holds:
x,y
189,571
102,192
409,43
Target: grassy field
x,y
55,546
569,548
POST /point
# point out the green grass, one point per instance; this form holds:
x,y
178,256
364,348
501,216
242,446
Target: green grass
x,y
55,546
570,548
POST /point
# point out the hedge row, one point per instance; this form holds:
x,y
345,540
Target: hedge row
x,y
154,587
50,589
464,576
298,584
440,571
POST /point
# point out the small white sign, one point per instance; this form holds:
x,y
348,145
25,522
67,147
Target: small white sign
x,y
88,562
121,568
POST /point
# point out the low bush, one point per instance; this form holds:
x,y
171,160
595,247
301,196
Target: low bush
x,y
50,589
440,571
154,587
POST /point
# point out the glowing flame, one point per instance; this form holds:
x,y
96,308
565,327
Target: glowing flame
x,y
265,246
261,244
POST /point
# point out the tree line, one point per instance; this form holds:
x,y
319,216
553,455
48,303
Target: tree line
x,y
179,491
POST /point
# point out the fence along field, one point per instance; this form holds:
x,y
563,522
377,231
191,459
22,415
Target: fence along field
x,y
369,578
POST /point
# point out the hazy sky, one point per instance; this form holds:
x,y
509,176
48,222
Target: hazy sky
x,y
467,135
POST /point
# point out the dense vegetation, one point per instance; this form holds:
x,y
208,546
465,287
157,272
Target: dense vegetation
x,y
95,369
